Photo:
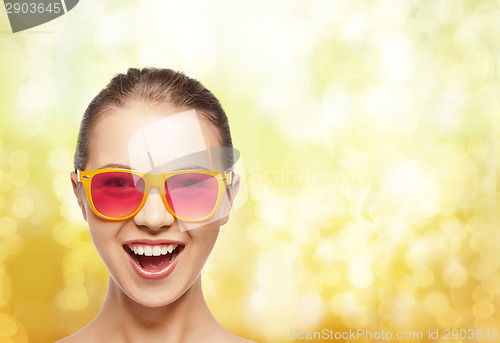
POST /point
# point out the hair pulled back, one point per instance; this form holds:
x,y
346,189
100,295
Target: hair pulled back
x,y
155,86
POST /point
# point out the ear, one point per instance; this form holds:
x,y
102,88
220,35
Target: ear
x,y
231,191
78,191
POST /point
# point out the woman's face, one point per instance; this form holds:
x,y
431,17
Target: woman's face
x,y
153,225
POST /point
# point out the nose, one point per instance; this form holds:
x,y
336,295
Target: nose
x,y
153,214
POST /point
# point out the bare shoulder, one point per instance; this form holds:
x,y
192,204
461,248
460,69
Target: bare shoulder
x,y
243,340
232,338
238,339
71,339
81,336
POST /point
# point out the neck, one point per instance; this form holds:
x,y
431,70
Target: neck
x,y
187,319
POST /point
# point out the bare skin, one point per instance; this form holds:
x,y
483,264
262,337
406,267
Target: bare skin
x,y
135,309
192,322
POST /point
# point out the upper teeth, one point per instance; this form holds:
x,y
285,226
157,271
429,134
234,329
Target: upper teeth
x,y
152,250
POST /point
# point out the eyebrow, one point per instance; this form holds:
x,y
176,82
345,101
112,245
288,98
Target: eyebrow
x,y
191,168
124,166
115,165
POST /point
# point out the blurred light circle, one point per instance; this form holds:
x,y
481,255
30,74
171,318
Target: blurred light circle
x,y
19,158
8,227
71,211
111,32
325,252
22,208
407,283
353,27
68,236
310,308
354,209
36,96
262,235
481,294
331,277
449,319
60,157
271,209
39,66
449,10
466,39
453,73
73,260
454,274
73,277
394,55
403,304
19,176
12,56
328,12
386,294
428,207
477,64
424,277
8,326
73,298
436,303
257,301
360,273
313,283
334,208
486,323
335,106
483,309
91,14
479,147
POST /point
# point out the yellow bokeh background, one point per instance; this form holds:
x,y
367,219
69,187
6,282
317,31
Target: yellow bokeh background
x,y
368,133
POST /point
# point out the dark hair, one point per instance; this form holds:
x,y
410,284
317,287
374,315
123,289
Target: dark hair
x,y
156,86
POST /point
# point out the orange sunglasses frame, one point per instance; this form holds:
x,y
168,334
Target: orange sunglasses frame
x,y
153,180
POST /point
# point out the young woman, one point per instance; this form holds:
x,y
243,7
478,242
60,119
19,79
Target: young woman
x,y
154,226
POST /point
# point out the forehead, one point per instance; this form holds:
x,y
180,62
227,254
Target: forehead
x,y
144,136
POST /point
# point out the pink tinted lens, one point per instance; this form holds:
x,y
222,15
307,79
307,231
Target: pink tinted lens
x,y
192,195
116,194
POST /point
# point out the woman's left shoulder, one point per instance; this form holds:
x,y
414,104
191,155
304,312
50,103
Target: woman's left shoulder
x,y
229,337
238,339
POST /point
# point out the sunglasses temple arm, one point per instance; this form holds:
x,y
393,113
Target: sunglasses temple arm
x,y
229,189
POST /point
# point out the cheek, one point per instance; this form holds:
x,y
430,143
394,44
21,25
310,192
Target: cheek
x,y
204,239
103,236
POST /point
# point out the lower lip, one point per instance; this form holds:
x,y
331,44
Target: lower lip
x,y
156,275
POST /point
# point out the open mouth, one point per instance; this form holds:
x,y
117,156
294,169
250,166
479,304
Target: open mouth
x,y
153,258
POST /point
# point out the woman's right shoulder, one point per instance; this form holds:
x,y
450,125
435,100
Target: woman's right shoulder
x,y
70,339
82,336
74,338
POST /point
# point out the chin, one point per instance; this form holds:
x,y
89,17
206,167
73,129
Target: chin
x,y
152,301
159,295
